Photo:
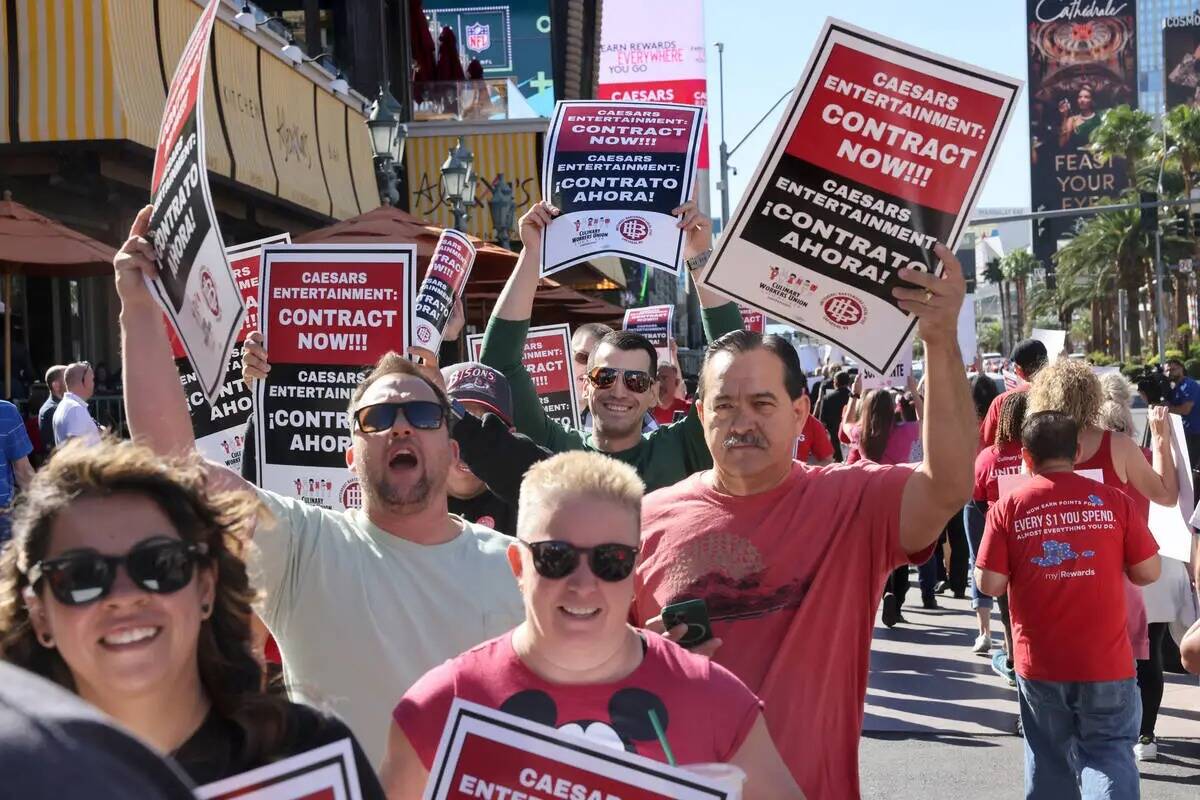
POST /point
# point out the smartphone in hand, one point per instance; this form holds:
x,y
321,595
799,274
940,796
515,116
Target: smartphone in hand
x,y
694,614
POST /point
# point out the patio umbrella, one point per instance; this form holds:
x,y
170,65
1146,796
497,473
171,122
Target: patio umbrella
x,y
424,52
37,246
449,65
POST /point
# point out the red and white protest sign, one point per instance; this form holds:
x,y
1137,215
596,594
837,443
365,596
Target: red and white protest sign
x,y
449,269
547,359
220,427
487,753
638,63
195,285
328,313
882,153
656,323
616,171
753,320
896,377
328,772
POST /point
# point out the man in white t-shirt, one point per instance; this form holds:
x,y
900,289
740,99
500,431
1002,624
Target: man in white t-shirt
x,y
363,602
72,420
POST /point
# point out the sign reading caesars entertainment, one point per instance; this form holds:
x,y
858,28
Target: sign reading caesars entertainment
x,y
881,154
328,312
194,286
1082,62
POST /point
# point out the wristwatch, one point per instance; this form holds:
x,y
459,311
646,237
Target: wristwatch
x,y
696,262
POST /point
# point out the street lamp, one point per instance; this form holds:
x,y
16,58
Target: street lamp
x,y
503,210
386,145
458,182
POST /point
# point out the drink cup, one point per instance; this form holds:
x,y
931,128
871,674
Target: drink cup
x,y
727,777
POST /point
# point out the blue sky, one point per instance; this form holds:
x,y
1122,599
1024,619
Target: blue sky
x,y
767,43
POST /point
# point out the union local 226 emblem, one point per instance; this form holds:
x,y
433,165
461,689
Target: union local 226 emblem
x,y
479,37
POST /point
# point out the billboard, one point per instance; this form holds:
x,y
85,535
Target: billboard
x,y
1181,60
1082,62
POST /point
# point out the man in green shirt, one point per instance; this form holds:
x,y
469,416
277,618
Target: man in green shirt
x,y
622,369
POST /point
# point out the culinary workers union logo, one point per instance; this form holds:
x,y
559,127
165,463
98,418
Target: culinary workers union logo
x,y
633,229
351,494
479,37
423,334
843,310
208,287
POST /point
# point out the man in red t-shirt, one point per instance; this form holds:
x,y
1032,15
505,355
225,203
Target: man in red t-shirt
x,y
814,446
791,559
670,403
1027,357
1059,545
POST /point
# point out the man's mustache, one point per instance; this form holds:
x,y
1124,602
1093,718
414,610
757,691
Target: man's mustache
x,y
749,439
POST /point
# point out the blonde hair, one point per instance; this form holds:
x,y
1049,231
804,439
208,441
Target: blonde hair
x,y
1117,393
1067,386
578,473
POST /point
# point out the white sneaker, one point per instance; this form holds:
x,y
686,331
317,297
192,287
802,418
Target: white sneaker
x,y
1146,749
983,644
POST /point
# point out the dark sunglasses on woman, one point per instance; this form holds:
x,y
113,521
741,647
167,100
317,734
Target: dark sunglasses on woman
x,y
636,380
554,559
424,415
161,566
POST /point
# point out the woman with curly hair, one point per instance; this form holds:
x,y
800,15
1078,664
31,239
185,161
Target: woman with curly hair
x,y
124,583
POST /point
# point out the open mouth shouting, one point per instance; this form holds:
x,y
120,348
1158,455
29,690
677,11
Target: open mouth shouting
x,y
403,458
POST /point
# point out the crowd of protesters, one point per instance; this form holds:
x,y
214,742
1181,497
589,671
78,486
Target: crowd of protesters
x,y
506,559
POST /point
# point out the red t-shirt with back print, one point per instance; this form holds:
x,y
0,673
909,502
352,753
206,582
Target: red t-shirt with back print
x,y
992,462
1064,541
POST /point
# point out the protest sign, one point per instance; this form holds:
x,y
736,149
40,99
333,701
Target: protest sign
x,y
810,357
220,427
753,320
881,154
616,171
323,773
449,268
547,359
485,753
194,286
895,378
968,340
328,312
1170,524
657,324
1055,341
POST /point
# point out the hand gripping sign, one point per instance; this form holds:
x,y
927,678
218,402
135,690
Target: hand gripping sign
x,y
882,153
194,285
487,753
449,269
616,171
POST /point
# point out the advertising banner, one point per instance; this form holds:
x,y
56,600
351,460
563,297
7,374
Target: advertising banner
x,y
328,313
220,427
487,753
323,773
656,323
194,286
895,378
617,171
882,153
449,268
753,320
643,63
547,359
1181,60
1082,62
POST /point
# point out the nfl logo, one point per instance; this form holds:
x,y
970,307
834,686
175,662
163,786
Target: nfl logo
x,y
479,37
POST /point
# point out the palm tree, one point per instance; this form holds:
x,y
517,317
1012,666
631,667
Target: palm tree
x,y
1017,266
1181,131
995,275
1125,133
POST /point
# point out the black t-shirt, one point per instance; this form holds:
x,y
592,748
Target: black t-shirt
x,y
488,510
214,750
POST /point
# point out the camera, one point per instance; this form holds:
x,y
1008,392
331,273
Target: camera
x,y
1154,384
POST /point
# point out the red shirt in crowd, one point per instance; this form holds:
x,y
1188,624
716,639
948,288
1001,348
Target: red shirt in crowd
x,y
665,416
1064,542
992,462
813,440
792,578
987,430
706,712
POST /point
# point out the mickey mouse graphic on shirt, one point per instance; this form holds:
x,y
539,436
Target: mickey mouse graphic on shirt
x,y
628,711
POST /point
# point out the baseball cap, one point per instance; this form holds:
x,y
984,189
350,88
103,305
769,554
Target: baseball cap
x,y
479,383
1029,355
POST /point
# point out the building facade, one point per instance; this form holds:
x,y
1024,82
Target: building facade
x,y
1150,16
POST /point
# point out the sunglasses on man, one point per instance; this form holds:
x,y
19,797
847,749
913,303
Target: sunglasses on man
x,y
555,559
161,566
424,415
636,380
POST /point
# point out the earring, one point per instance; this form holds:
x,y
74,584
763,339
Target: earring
x,y
46,639
204,609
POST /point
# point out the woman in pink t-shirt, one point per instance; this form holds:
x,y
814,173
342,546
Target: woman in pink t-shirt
x,y
575,663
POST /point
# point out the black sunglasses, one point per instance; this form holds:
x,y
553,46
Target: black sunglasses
x,y
424,415
609,562
636,380
162,566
